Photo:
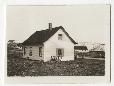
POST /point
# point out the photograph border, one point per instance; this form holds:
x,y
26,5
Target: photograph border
x,y
11,80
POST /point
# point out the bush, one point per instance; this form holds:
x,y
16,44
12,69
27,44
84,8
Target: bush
x,y
80,67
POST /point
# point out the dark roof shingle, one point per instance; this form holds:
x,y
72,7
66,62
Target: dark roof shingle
x,y
80,47
41,36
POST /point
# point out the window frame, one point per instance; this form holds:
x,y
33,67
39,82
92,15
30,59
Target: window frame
x,y
40,51
30,52
62,51
25,50
60,36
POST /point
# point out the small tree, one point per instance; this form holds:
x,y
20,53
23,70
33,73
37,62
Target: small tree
x,y
11,46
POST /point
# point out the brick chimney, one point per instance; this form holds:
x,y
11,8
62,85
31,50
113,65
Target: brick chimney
x,y
50,26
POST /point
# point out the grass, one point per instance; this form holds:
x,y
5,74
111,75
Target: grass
x,y
80,67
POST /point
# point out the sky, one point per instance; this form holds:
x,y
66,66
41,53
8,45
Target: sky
x,y
84,23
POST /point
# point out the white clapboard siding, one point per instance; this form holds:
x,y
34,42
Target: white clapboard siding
x,y
35,52
53,43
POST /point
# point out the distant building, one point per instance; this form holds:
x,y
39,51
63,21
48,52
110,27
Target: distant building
x,y
80,51
52,43
98,51
81,48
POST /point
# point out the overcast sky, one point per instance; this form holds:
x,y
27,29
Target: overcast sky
x,y
88,23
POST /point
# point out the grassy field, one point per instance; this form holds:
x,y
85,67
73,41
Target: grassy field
x,y
80,67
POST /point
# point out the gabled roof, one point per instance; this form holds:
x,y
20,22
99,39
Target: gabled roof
x,y
41,36
80,48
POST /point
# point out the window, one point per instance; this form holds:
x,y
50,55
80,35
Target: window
x,y
60,52
59,36
40,51
24,50
30,53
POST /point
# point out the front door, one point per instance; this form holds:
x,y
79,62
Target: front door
x,y
60,53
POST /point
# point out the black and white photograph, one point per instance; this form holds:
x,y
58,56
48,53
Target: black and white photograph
x,y
65,40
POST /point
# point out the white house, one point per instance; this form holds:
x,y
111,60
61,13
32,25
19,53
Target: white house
x,y
48,44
